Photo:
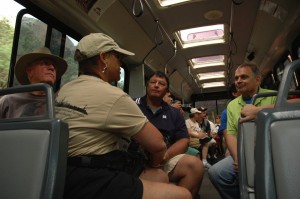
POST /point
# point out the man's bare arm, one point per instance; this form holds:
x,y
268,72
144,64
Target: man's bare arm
x,y
152,140
231,142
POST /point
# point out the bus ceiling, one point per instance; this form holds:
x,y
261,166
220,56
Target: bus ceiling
x,y
162,35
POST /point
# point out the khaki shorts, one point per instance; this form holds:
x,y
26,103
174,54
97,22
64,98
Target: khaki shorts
x,y
169,166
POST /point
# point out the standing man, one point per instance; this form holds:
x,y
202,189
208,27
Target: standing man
x,y
185,169
224,173
39,66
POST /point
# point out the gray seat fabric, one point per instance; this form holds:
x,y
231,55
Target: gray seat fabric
x,y
277,145
246,142
276,154
33,153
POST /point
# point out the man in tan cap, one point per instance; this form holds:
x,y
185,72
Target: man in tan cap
x,y
39,66
99,115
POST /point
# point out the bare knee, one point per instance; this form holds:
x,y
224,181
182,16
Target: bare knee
x,y
155,175
189,166
156,190
194,164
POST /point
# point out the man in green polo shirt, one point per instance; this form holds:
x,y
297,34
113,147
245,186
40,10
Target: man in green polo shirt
x,y
224,173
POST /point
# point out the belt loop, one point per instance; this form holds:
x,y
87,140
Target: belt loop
x,y
86,161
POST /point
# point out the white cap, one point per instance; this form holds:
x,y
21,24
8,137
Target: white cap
x,y
195,110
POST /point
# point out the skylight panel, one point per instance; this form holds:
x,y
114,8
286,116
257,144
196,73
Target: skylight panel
x,y
200,62
211,75
164,3
213,84
204,35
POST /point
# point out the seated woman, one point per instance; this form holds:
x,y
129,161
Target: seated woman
x,y
99,115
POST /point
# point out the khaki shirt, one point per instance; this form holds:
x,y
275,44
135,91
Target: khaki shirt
x,y
98,115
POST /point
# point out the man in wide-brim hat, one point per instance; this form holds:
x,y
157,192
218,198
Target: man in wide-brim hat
x,y
40,66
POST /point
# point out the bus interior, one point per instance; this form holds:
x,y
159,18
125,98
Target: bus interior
x,y
198,44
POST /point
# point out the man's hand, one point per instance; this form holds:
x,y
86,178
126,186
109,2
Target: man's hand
x,y
177,105
249,112
236,167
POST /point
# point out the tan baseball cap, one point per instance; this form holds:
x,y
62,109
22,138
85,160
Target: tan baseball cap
x,y
24,61
94,43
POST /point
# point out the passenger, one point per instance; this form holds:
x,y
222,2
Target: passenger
x,y
224,173
212,150
169,98
197,135
187,170
98,115
205,127
39,66
218,138
217,122
213,129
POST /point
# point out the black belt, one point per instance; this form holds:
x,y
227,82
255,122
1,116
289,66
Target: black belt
x,y
86,161
106,160
115,160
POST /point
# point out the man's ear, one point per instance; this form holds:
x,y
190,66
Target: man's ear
x,y
28,69
258,79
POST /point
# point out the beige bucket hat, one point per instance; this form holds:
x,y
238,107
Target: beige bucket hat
x,y
24,61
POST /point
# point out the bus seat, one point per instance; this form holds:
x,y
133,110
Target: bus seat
x,y
246,142
33,152
277,145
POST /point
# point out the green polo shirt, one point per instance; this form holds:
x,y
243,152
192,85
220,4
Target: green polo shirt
x,y
235,106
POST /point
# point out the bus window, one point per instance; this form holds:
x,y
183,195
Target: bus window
x,y
280,69
120,83
8,14
72,71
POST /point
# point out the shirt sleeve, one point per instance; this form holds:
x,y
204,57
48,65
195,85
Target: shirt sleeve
x,y
231,121
223,124
125,117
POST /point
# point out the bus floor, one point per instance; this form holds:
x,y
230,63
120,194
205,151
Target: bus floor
x,y
207,189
